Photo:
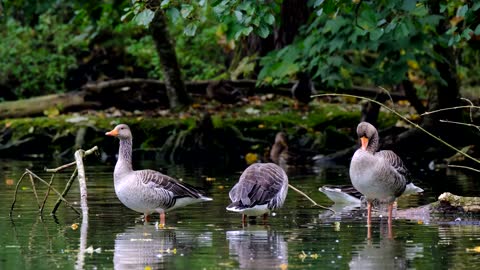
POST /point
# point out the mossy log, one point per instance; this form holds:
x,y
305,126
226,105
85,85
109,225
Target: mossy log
x,y
38,105
143,94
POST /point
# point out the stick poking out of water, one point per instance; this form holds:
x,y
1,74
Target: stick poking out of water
x,y
310,199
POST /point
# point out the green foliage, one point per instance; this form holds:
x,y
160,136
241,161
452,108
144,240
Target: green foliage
x,y
372,42
244,17
35,60
200,57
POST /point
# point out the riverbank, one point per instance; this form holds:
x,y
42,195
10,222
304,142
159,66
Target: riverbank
x,y
206,131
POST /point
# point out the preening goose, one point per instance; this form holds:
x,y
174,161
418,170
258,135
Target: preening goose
x,y
148,191
378,175
262,187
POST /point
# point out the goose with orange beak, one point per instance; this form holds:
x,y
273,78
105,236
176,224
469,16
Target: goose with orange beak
x,y
378,175
148,191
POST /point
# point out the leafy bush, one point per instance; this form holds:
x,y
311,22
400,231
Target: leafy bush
x,y
35,60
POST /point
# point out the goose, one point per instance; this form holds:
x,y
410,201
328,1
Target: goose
x,y
284,155
262,187
347,194
378,175
148,191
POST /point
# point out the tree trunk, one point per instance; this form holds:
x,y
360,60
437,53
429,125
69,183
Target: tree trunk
x,y
177,95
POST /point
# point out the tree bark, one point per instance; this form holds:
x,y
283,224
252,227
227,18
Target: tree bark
x,y
177,95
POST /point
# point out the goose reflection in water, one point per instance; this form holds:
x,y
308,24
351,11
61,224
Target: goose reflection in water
x,y
146,246
258,248
388,253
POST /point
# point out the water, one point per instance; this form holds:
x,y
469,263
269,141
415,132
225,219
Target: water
x,y
206,236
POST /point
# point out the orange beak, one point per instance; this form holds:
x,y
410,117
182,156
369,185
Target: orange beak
x,y
112,132
364,141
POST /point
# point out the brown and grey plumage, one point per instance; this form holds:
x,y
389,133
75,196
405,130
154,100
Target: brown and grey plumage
x,y
379,175
283,154
147,191
262,187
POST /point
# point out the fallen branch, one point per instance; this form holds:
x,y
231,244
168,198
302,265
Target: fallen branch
x,y
79,170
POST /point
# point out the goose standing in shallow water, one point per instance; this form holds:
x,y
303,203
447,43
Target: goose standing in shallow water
x,y
262,188
379,175
147,191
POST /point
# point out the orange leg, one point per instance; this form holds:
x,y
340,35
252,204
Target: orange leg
x,y
162,219
146,217
390,207
369,220
265,216
244,219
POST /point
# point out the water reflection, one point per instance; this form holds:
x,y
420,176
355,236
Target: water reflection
x,y
388,253
258,247
144,246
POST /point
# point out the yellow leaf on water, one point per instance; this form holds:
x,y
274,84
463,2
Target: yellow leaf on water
x,y
251,158
283,266
475,249
147,268
74,226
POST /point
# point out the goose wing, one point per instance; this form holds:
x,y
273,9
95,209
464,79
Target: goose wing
x,y
258,185
164,183
396,162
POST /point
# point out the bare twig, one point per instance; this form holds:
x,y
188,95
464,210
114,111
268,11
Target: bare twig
x,y
452,108
15,193
46,194
407,120
61,167
310,199
460,123
464,167
34,190
65,191
54,190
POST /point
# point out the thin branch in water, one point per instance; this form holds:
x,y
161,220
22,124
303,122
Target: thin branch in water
x,y
73,163
65,191
54,190
34,190
15,193
46,194
310,199
407,120
464,167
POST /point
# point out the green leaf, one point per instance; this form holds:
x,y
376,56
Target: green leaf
x,y
318,3
239,15
186,10
165,4
190,29
376,34
368,18
174,14
263,31
467,33
409,5
461,11
144,17
476,6
270,19
391,26
477,30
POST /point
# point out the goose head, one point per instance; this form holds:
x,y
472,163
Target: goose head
x,y
121,131
368,136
